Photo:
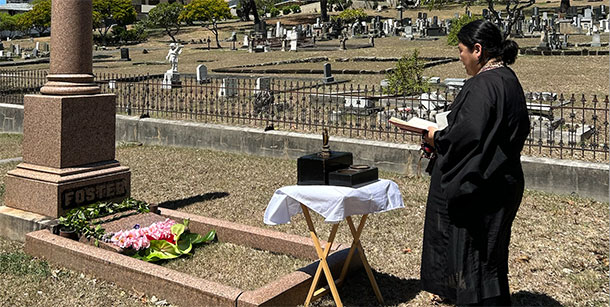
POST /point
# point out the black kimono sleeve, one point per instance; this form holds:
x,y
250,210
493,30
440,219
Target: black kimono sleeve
x,y
467,148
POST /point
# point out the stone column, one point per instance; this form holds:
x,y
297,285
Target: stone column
x,y
69,129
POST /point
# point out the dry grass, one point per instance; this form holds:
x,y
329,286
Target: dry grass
x,y
11,145
220,262
559,251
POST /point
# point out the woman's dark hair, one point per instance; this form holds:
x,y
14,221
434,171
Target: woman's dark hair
x,y
489,36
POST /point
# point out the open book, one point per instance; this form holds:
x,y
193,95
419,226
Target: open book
x,y
419,125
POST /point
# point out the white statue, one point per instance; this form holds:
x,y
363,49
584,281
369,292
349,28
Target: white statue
x,y
175,49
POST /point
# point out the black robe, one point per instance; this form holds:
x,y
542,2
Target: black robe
x,y
475,190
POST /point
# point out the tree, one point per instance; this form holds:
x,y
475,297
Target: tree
x,y
324,10
39,17
456,26
107,13
513,10
407,77
564,6
167,16
8,23
210,12
351,15
245,7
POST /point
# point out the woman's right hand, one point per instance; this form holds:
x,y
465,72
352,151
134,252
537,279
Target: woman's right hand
x,y
429,136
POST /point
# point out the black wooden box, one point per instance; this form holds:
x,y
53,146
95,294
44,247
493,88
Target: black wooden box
x,y
352,176
313,169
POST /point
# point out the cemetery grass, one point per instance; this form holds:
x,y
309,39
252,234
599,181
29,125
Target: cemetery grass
x,y
559,247
10,145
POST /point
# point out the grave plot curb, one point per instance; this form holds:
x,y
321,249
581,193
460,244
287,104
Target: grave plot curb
x,y
185,289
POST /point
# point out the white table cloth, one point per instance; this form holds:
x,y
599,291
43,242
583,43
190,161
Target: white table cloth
x,y
334,203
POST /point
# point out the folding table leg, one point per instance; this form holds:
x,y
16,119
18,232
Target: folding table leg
x,y
322,254
357,245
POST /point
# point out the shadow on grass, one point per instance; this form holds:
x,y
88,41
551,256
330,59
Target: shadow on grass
x,y
175,204
526,298
357,290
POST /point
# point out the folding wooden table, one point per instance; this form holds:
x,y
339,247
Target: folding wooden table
x,y
335,204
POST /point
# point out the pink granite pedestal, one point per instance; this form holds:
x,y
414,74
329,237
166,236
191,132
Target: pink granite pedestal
x,y
68,154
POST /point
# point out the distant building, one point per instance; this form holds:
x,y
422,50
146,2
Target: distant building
x,y
14,7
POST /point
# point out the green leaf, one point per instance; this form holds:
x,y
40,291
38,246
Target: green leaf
x,y
185,244
207,238
177,230
163,250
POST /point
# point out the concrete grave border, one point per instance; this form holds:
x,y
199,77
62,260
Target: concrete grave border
x,y
185,289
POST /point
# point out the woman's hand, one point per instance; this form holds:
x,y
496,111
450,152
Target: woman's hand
x,y
429,137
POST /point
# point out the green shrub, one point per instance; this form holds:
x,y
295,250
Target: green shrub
x,y
295,9
456,26
274,11
407,77
286,10
352,15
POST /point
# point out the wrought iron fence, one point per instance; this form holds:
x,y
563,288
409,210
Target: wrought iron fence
x,y
572,126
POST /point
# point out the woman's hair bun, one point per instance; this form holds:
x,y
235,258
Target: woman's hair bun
x,y
510,49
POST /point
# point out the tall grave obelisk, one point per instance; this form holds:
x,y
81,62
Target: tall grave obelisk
x,y
69,129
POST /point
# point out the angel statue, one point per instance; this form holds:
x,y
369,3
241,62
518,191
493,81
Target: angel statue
x,y
175,49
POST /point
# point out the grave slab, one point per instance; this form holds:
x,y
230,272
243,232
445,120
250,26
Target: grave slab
x,y
184,289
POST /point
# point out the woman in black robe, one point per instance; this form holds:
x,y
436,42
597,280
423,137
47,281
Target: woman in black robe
x,y
477,180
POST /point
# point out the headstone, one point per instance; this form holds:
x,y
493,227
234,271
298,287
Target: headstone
x,y
588,13
112,84
125,54
596,40
384,83
262,84
293,45
328,77
266,48
545,16
278,29
35,53
17,49
408,33
171,79
228,88
246,41
293,36
434,80
486,13
37,46
454,82
372,40
202,73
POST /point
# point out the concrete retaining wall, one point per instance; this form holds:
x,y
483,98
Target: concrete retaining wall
x,y
550,175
